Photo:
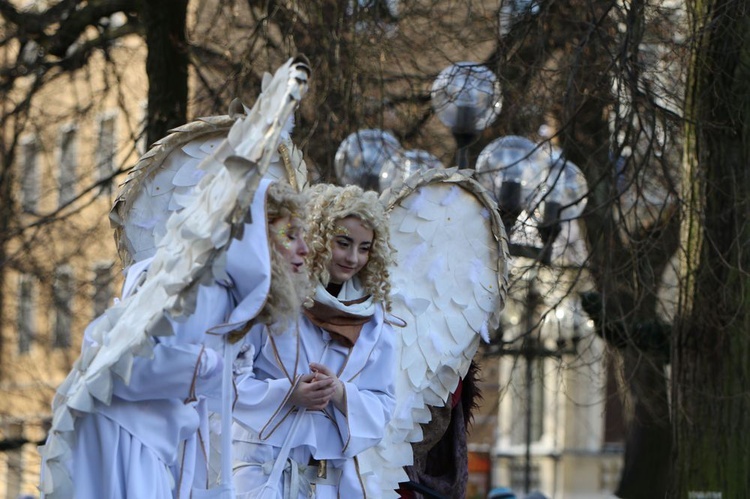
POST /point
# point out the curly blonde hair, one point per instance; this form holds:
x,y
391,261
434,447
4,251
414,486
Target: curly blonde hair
x,y
289,291
330,203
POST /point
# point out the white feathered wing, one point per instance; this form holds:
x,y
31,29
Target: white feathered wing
x,y
449,286
165,175
191,250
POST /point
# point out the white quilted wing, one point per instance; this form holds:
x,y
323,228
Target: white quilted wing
x,y
164,176
449,286
191,250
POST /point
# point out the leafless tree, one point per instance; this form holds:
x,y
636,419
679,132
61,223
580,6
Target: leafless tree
x,y
605,79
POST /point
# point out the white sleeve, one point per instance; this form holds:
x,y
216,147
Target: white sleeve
x,y
259,401
182,366
370,398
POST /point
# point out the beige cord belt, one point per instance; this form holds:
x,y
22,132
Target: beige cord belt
x,y
298,477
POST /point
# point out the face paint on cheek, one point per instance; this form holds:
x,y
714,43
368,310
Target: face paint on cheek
x,y
281,236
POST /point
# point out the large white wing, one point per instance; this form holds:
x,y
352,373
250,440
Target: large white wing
x,y
158,183
449,286
196,237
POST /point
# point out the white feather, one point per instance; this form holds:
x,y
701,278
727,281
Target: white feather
x,y
484,333
437,267
416,202
286,132
451,197
475,268
414,256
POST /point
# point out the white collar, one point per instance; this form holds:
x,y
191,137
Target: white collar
x,y
350,290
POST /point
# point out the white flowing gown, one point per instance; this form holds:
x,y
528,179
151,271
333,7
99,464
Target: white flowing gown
x,y
266,369
152,440
144,443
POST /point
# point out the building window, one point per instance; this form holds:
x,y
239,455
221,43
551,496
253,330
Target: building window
x,y
529,405
67,175
63,295
30,174
25,317
537,399
106,150
102,288
519,475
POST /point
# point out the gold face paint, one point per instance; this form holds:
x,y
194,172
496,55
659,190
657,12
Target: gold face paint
x,y
282,235
288,238
340,230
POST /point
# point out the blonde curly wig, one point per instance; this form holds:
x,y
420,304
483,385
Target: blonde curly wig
x,y
289,291
329,203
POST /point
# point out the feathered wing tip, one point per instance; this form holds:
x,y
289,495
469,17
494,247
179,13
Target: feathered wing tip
x,y
449,285
163,177
162,180
170,168
195,238
295,168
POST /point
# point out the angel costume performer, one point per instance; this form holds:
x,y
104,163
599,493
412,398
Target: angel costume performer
x,y
129,418
151,440
348,337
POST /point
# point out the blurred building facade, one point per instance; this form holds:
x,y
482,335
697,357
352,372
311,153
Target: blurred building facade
x,y
552,418
61,268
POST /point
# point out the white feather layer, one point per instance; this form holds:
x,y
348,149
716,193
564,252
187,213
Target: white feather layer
x,y
449,286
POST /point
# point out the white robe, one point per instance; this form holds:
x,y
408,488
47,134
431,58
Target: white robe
x,y
263,415
151,441
147,442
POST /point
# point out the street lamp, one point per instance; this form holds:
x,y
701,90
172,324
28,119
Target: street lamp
x,y
531,178
466,97
397,168
510,168
361,156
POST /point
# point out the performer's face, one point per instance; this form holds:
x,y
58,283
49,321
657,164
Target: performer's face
x,y
350,249
288,236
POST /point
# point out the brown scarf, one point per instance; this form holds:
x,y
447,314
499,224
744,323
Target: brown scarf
x,y
342,326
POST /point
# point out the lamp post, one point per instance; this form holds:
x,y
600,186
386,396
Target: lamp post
x,y
361,156
533,350
466,97
397,168
535,180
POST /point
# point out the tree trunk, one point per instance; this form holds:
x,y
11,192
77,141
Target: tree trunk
x,y
647,446
627,284
166,65
711,395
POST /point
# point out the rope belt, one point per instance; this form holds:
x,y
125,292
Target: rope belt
x,y
298,477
